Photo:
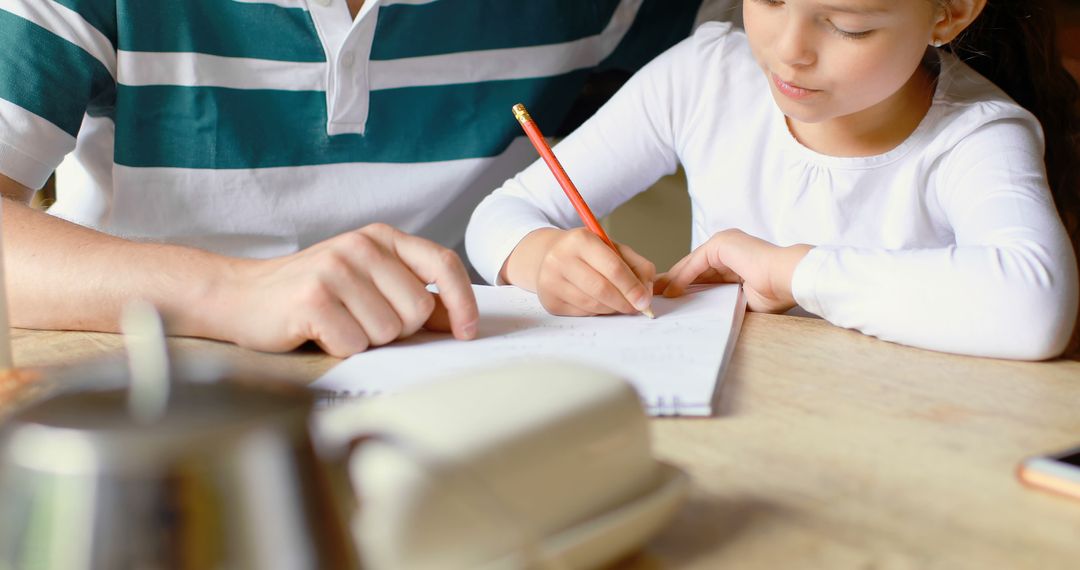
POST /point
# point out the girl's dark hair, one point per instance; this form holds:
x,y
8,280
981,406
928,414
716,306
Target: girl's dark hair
x,y
1014,44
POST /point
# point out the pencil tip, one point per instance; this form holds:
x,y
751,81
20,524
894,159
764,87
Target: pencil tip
x,y
648,313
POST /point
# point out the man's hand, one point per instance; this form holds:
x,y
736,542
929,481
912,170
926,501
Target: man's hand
x,y
360,289
732,256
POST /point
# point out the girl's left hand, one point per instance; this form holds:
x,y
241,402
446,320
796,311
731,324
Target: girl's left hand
x,y
732,256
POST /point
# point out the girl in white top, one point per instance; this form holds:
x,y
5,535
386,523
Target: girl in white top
x,y
834,161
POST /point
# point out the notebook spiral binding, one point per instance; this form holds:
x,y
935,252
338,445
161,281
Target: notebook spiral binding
x,y
328,398
660,406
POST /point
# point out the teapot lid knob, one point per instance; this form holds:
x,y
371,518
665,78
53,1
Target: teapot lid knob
x,y
148,361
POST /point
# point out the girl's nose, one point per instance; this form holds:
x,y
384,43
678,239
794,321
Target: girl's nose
x,y
795,43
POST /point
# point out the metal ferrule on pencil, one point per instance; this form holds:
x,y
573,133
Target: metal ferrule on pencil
x,y
521,114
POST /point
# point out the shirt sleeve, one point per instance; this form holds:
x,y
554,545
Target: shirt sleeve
x,y
1006,289
57,63
620,151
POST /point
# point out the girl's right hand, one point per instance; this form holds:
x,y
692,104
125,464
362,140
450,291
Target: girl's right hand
x,y
575,273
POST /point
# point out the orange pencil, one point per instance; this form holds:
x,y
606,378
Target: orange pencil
x,y
538,141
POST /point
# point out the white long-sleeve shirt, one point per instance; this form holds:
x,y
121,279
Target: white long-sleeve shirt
x,y
950,241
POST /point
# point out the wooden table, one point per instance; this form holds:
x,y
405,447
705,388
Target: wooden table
x,y
831,450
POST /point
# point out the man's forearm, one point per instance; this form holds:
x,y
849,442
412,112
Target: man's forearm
x,y
64,276
361,288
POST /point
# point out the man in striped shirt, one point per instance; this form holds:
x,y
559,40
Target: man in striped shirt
x,y
274,171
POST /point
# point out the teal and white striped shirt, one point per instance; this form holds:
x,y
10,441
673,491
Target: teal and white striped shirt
x,y
259,127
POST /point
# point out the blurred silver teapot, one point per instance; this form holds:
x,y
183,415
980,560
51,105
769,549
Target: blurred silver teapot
x,y
225,475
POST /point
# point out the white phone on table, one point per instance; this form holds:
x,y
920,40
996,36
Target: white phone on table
x,y
1056,472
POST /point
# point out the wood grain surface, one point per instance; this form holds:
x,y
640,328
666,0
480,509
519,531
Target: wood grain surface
x,y
831,450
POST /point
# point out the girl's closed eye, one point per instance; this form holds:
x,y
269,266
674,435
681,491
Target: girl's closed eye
x,y
849,34
842,31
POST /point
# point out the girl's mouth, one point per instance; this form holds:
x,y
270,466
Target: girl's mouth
x,y
792,91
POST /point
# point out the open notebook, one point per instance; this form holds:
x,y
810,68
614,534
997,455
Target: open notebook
x,y
675,361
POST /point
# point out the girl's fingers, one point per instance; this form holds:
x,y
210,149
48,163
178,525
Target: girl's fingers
x,y
676,269
612,281
644,269
573,302
661,283
580,274
684,273
698,269
712,275
593,290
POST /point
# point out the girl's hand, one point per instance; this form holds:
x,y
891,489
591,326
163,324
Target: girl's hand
x,y
732,256
575,273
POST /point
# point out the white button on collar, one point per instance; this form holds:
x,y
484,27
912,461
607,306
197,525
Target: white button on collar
x,y
348,59
323,3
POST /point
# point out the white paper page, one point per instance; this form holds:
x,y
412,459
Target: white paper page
x,y
674,361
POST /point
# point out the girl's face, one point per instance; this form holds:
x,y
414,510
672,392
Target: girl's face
x,y
829,59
